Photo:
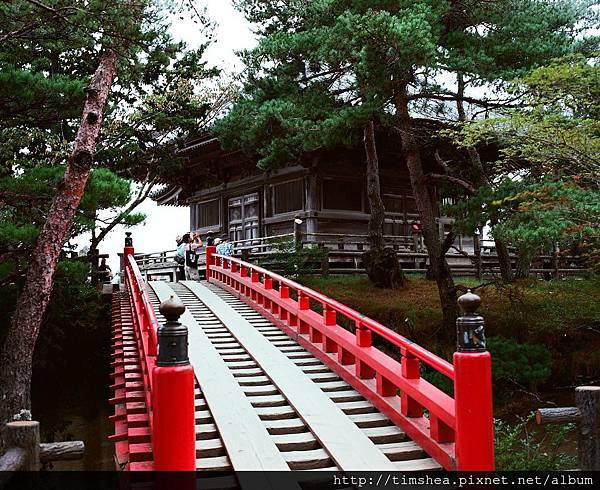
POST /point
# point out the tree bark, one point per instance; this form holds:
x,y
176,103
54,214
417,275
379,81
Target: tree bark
x,y
523,265
381,264
376,207
17,352
504,261
425,201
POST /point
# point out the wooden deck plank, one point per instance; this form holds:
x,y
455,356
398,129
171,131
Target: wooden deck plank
x,y
401,451
308,460
296,442
387,434
248,443
426,464
337,433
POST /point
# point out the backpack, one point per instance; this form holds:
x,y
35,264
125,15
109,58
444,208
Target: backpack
x,y
191,259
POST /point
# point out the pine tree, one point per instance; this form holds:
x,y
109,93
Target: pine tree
x,y
56,57
552,143
325,66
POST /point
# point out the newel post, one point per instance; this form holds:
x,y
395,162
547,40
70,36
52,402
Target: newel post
x,y
174,432
210,251
473,390
127,250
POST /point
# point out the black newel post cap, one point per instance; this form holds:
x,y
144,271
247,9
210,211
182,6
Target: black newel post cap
x,y
172,336
469,302
172,309
470,326
128,239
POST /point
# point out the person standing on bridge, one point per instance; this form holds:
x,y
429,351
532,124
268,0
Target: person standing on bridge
x,y
191,242
180,258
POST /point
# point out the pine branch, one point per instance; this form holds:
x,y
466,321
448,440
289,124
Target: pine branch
x,y
448,178
142,194
447,243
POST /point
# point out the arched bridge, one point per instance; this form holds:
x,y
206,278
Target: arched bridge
x,y
276,376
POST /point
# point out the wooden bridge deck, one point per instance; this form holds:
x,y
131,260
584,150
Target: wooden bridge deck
x,y
263,402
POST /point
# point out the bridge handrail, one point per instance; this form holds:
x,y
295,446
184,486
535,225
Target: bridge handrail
x,y
146,324
167,382
150,323
437,363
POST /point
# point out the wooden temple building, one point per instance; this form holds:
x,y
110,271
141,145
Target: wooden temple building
x,y
228,194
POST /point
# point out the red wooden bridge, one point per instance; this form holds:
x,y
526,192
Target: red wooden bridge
x,y
249,370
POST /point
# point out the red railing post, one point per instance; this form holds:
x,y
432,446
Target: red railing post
x,y
303,304
364,338
473,390
210,251
174,431
329,319
411,369
284,293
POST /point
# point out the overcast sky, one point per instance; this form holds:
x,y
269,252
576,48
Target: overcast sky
x,y
164,223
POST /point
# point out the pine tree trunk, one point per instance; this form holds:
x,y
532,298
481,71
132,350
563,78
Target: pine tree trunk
x,y
425,201
482,181
501,249
17,352
373,190
504,260
523,266
381,264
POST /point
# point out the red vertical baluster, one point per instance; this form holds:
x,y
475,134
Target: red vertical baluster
x,y
303,304
268,285
363,339
411,369
284,293
329,320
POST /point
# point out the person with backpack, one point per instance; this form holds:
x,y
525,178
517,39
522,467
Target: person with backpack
x,y
190,242
180,258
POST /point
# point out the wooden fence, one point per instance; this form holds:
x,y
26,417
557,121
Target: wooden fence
x,y
343,254
24,452
587,416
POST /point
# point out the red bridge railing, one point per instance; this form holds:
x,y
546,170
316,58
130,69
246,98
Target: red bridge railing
x,y
457,432
168,378
145,323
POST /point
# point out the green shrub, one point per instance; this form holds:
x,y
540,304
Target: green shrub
x,y
519,448
522,363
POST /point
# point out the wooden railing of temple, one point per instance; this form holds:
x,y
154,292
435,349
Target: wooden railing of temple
x,y
456,431
342,253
